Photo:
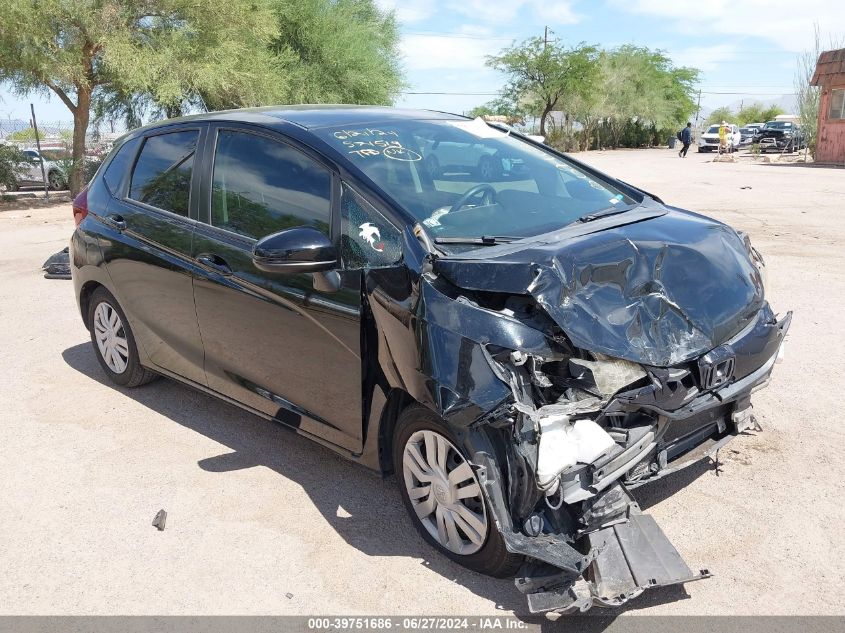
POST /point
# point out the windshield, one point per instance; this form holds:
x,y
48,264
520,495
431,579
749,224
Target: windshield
x,y
778,125
463,178
713,129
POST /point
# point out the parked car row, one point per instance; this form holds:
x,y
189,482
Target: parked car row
x,y
773,135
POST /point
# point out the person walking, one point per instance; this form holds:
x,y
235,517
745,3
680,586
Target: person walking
x,y
686,139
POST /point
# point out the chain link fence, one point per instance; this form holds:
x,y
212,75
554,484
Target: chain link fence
x,y
56,137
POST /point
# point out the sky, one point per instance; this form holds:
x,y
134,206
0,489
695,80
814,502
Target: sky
x,y
746,49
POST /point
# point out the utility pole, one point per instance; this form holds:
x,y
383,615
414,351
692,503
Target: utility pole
x,y
698,108
40,157
546,36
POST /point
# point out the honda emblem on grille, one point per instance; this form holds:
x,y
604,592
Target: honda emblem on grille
x,y
716,367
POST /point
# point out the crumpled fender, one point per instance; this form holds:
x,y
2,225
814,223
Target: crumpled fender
x,y
437,354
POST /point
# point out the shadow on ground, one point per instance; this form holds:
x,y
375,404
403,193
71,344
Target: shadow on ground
x,y
370,503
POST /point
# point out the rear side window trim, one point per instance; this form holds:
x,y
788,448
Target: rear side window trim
x,y
127,179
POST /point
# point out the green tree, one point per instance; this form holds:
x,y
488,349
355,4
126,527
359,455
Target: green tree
x,y
644,93
541,74
336,51
12,165
770,113
720,114
497,107
171,51
26,135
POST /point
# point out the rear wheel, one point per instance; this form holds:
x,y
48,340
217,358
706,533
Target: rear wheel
x,y
113,341
56,181
443,496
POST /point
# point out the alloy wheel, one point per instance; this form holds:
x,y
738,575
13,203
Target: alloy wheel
x,y
111,337
444,492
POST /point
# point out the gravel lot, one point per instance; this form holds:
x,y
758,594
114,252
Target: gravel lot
x,y
261,521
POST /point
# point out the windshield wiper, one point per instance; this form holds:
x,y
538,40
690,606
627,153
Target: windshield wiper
x,y
595,215
484,240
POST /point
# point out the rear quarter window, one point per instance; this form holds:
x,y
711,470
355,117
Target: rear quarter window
x,y
119,165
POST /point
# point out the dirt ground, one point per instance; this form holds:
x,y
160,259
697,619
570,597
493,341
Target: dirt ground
x,y
261,521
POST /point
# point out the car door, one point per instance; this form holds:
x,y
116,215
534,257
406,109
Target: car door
x,y
33,167
150,221
273,341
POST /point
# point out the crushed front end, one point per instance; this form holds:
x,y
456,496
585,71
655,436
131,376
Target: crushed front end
x,y
643,369
583,430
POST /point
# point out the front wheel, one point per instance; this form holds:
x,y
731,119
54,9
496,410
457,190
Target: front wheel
x,y
114,343
443,496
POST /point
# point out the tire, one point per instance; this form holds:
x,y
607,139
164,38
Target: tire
x,y
419,428
106,319
56,181
12,185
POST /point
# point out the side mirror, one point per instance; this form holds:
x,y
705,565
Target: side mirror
x,y
300,250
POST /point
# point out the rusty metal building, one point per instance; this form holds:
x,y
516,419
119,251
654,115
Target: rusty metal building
x,y
830,78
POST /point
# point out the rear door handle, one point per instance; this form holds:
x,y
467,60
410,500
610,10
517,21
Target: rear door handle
x,y
216,262
115,221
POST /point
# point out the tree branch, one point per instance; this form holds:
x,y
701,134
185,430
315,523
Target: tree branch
x,y
62,95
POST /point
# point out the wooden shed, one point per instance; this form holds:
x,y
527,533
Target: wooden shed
x,y
830,78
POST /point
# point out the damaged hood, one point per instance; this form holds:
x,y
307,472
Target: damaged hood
x,y
655,288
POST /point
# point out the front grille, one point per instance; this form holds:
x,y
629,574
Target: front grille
x,y
676,429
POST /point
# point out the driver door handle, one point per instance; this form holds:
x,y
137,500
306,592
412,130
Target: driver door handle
x,y
215,262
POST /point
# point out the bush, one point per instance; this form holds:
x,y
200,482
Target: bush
x,y
562,139
25,135
12,164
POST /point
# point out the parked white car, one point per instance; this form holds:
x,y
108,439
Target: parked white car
x,y
31,175
710,139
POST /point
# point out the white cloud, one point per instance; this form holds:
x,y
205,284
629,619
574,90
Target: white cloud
x,y
705,58
552,12
783,22
427,52
409,10
557,13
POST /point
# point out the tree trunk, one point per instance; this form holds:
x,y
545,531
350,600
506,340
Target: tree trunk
x,y
81,116
546,110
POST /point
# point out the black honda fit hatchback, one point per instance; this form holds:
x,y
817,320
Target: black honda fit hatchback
x,y
520,338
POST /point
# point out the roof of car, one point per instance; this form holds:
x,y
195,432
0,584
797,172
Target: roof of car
x,y
315,116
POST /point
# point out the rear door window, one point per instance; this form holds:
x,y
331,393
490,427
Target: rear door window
x,y
162,174
262,186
